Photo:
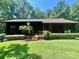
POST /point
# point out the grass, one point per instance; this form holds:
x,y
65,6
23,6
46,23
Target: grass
x,y
53,49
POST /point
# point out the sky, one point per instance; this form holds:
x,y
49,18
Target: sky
x,y
43,5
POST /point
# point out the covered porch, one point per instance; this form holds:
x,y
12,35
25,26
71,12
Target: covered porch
x,y
12,26
59,25
40,25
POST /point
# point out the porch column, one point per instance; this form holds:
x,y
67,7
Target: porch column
x,y
43,26
6,30
50,27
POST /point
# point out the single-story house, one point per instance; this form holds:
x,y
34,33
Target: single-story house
x,y
53,25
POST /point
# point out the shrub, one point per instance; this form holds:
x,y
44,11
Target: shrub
x,y
15,37
26,29
2,36
46,35
67,31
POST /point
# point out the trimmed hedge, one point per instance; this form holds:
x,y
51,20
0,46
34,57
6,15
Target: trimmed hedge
x,y
64,35
15,37
52,36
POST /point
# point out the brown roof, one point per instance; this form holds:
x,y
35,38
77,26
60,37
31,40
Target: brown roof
x,y
58,21
43,20
24,20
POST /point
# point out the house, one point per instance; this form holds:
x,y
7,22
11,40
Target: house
x,y
53,25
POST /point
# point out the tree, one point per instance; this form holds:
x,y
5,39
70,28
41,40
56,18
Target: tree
x,y
47,13
10,9
74,13
37,14
4,10
15,9
26,29
23,9
65,13
59,9
7,9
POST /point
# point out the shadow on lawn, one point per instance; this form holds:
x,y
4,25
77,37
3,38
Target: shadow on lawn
x,y
17,51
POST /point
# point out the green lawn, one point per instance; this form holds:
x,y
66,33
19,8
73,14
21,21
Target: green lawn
x,y
53,49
